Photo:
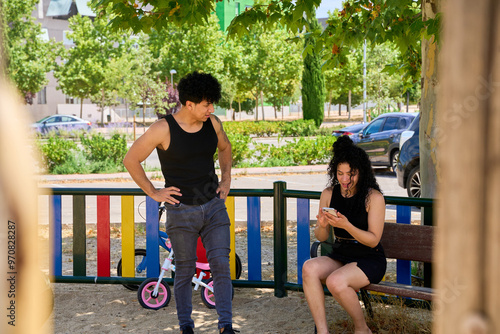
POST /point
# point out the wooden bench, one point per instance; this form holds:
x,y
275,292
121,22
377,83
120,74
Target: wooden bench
x,y
402,242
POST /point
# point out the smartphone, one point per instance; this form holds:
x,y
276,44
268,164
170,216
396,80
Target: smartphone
x,y
330,210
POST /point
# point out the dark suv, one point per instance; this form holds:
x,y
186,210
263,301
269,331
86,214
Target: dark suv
x,y
380,138
408,165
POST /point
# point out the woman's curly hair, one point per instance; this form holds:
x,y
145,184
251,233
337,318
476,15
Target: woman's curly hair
x,y
345,151
196,87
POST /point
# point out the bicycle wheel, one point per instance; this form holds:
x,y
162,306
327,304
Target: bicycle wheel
x,y
146,296
208,297
140,256
238,266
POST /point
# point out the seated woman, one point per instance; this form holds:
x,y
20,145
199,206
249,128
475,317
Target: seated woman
x,y
357,258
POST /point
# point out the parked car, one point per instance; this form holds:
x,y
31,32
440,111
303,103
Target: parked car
x,y
380,137
408,165
61,122
349,130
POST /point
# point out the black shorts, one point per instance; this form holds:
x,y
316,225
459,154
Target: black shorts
x,y
371,261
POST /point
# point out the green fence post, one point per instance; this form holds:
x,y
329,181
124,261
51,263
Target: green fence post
x,y
280,249
427,214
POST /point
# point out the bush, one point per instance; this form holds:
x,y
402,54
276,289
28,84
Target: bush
x,y
56,151
240,149
295,128
304,151
98,148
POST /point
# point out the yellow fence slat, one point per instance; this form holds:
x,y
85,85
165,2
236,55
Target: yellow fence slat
x,y
128,237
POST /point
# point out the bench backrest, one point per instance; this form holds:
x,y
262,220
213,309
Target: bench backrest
x,y
408,242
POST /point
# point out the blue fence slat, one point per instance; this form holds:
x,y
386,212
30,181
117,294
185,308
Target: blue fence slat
x,y
303,234
254,239
403,267
152,237
55,221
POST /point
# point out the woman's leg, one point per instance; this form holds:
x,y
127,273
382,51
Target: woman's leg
x,y
314,274
343,284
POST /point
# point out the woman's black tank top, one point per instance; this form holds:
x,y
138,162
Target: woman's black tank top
x,y
188,162
346,206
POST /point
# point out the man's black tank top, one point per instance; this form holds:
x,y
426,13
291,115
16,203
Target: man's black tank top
x,y
188,162
346,206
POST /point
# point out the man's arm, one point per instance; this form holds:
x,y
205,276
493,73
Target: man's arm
x,y
225,158
139,151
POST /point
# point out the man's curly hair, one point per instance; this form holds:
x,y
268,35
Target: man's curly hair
x,y
345,151
196,87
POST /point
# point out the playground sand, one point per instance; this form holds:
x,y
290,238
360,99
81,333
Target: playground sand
x,y
103,308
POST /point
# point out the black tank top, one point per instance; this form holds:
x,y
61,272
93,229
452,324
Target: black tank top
x,y
346,206
188,162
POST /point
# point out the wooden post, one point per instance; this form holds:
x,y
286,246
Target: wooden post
x,y
468,240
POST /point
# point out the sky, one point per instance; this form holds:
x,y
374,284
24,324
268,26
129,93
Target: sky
x,y
327,5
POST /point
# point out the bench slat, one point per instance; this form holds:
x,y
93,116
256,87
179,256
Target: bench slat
x,y
401,290
408,242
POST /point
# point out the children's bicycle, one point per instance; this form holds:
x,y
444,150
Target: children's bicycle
x,y
164,242
154,293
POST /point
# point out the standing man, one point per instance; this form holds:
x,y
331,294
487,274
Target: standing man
x,y
194,197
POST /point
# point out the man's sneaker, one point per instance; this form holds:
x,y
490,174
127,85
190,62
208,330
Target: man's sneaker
x,y
228,329
187,330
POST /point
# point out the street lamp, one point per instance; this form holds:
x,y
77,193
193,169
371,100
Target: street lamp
x,y
172,72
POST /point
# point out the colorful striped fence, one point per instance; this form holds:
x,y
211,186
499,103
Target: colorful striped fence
x,y
253,200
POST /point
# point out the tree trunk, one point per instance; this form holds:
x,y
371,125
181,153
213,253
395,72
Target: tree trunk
x,y
349,105
144,116
428,136
340,109
81,108
257,107
262,103
239,108
233,116
102,108
468,243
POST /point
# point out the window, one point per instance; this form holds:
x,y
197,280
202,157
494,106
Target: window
x,y
403,123
72,100
374,127
66,40
42,96
44,34
40,9
391,123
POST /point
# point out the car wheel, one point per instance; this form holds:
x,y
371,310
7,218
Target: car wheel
x,y
413,183
394,160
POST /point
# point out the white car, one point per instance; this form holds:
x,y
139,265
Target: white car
x,y
61,122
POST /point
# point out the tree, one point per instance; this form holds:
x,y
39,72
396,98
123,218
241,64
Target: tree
x,y
188,48
313,82
283,63
384,86
29,57
143,83
343,80
82,72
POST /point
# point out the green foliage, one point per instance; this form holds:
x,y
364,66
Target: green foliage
x,y
239,148
313,82
28,57
247,105
302,151
268,128
99,155
98,148
56,151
